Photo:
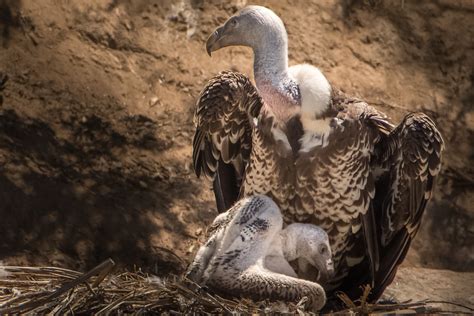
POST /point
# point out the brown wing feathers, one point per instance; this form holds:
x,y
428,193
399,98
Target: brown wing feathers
x,y
412,154
415,161
223,137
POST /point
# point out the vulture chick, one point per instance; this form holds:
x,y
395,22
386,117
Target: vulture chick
x,y
247,254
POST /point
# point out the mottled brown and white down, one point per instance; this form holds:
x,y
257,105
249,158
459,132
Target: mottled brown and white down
x,y
248,254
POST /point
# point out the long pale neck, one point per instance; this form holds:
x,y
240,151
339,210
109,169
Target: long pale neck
x,y
275,86
270,68
271,58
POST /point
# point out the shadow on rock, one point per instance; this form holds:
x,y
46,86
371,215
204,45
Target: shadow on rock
x,y
82,198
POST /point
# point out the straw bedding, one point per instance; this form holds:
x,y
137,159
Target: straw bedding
x,y
103,290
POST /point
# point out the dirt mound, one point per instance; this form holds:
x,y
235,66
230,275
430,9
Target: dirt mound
x,y
96,118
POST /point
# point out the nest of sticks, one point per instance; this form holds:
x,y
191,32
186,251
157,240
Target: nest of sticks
x,y
102,290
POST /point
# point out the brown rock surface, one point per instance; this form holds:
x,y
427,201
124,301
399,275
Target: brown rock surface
x,y
443,286
96,118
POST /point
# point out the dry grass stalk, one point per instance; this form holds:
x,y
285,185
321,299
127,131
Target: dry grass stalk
x,y
40,290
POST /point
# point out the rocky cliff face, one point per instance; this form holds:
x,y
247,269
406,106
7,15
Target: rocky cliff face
x,y
96,117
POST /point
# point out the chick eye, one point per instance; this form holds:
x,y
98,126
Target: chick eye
x,y
233,22
323,249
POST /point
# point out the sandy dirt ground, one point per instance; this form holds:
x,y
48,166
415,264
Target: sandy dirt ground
x,y
96,120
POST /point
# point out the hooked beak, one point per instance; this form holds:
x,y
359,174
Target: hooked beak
x,y
213,43
326,270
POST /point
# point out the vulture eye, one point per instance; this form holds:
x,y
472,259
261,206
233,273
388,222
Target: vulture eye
x,y
323,249
233,22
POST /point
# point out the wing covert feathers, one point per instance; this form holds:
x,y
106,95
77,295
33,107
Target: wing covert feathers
x,y
412,152
409,157
412,155
223,119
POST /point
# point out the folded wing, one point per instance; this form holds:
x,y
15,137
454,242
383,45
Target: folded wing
x,y
223,138
410,154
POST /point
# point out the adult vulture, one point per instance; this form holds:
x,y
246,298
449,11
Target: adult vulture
x,y
323,157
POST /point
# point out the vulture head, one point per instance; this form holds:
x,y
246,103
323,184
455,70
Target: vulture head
x,y
310,243
285,90
253,26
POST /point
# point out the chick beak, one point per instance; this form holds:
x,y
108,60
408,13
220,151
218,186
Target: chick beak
x,y
325,269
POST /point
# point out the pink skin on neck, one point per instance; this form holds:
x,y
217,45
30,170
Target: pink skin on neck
x,y
277,102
